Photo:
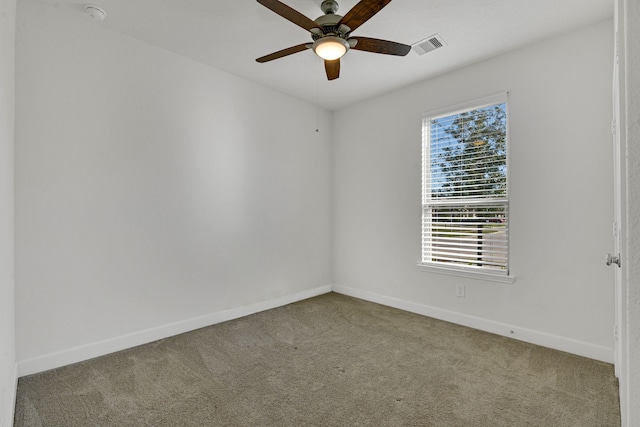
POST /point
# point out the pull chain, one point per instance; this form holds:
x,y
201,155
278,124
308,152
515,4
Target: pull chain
x,y
317,98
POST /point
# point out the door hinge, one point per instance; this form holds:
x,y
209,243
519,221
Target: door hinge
x,y
614,126
615,333
615,229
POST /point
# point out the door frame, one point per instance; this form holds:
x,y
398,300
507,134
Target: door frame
x,y
620,192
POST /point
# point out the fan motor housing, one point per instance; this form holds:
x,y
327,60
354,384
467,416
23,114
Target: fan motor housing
x,y
330,27
328,20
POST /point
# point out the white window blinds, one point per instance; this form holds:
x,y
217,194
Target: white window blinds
x,y
465,205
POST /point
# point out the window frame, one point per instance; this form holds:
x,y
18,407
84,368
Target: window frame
x,y
457,269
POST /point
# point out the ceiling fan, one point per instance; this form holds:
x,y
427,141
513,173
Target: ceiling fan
x,y
331,33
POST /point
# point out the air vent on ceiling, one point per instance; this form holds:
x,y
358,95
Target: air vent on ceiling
x,y
427,45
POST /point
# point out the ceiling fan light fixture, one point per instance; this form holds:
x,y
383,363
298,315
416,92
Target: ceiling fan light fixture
x,y
331,33
330,47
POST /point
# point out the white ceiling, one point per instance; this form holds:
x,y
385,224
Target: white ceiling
x,y
229,35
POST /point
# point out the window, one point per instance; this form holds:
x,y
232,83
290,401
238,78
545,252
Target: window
x,y
465,204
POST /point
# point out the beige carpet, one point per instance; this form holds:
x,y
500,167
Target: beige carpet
x,y
327,361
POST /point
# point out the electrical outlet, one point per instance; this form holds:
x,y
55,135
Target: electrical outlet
x,y
460,291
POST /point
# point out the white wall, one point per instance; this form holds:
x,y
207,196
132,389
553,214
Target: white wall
x,y
7,310
560,193
154,194
632,61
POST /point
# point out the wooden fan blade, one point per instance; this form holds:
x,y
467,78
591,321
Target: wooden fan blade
x,y
290,14
332,68
284,52
362,12
380,46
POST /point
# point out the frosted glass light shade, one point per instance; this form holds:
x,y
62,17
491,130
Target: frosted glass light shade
x,y
330,47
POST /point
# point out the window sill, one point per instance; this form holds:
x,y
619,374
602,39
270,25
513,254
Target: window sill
x,y
480,275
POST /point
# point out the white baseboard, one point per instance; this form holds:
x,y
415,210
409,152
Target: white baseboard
x,y
544,339
101,348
